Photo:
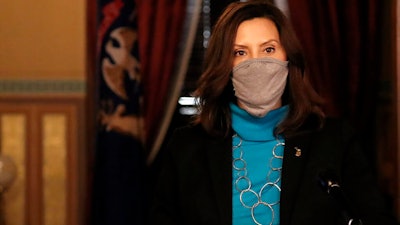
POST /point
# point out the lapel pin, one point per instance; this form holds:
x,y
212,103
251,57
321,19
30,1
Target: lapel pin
x,y
298,152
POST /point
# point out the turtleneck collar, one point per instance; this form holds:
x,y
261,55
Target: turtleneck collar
x,y
251,128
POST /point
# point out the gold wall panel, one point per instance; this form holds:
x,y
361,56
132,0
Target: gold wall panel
x,y
13,142
44,136
54,127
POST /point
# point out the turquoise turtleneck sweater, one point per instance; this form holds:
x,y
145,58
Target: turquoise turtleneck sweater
x,y
254,161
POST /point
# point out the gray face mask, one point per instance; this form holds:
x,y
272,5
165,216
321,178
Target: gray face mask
x,y
259,84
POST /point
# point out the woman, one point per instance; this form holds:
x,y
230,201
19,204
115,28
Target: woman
x,y
261,150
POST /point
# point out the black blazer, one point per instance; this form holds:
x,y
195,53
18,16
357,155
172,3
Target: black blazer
x,y
195,182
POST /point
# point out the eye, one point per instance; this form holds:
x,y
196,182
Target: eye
x,y
270,49
239,53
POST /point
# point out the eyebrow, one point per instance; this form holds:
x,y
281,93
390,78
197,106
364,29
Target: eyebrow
x,y
270,41
264,43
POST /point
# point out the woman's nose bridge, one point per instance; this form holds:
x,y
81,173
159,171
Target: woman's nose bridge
x,y
254,52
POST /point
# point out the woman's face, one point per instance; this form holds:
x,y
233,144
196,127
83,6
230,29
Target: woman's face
x,y
257,38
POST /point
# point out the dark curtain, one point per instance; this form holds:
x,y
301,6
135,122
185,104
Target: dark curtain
x,y
118,192
350,46
160,30
341,42
136,51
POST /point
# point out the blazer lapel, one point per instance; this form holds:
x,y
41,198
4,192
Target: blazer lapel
x,y
219,158
294,160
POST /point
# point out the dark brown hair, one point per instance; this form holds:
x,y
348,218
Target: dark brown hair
x,y
215,90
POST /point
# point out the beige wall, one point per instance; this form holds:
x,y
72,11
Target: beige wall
x,y
42,94
42,39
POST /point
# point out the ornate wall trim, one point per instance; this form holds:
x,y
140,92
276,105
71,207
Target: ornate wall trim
x,y
9,86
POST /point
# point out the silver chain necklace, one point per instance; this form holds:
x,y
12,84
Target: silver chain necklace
x,y
243,183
